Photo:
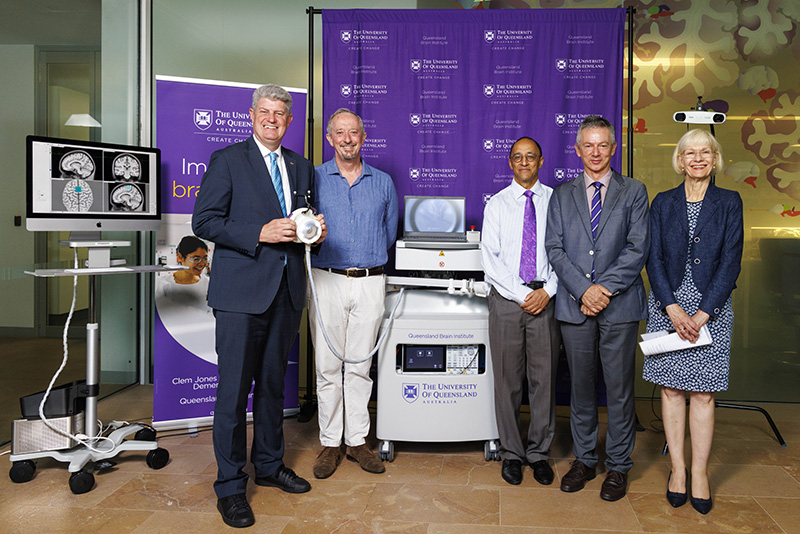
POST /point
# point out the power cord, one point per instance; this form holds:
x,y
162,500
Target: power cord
x,y
382,337
83,439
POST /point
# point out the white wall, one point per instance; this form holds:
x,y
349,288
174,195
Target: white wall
x,y
16,243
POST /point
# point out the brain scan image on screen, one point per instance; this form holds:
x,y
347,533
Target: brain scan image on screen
x,y
126,197
435,215
77,196
77,164
127,168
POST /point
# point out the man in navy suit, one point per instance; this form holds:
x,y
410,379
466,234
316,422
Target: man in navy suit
x,y
597,242
257,291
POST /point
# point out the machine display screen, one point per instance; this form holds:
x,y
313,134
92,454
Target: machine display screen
x,y
424,358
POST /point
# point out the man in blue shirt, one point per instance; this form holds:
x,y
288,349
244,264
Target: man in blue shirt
x,y
360,207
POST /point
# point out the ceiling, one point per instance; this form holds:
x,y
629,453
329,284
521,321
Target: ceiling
x,y
50,22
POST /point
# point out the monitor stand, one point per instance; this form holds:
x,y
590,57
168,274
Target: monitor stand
x,y
99,249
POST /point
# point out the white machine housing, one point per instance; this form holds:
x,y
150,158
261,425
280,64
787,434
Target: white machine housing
x,y
437,257
435,381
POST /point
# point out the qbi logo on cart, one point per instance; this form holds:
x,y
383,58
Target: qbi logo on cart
x,y
410,392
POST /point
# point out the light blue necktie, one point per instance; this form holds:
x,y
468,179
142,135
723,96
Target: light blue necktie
x,y
276,180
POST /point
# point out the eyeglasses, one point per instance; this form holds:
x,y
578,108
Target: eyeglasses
x,y
529,157
197,259
706,153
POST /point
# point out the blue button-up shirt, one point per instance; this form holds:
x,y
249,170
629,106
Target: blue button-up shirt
x,y
361,219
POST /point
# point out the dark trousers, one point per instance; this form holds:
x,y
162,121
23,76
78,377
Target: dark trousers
x,y
523,345
614,345
251,348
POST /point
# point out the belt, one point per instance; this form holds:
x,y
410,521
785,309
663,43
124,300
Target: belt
x,y
358,273
536,284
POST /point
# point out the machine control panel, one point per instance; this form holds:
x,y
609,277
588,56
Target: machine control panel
x,y
442,359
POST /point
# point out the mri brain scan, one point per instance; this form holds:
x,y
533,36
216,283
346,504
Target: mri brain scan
x,y
78,164
126,197
127,168
77,196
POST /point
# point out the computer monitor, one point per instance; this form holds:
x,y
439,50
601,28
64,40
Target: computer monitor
x,y
83,186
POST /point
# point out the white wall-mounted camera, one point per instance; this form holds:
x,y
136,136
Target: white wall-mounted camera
x,y
699,117
308,227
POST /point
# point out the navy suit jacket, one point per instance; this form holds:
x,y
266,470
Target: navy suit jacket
x,y
235,201
619,252
716,250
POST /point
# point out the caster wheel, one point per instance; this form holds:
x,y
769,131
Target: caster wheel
x,y
145,434
386,451
157,458
22,471
491,453
81,482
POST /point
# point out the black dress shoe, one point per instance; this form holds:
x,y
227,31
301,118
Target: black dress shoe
x,y
614,486
577,477
702,505
512,471
285,479
542,472
675,499
235,511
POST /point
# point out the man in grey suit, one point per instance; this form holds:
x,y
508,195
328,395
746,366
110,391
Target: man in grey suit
x,y
257,291
597,241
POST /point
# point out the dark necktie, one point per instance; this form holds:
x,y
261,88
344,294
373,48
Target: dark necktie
x,y
597,207
527,260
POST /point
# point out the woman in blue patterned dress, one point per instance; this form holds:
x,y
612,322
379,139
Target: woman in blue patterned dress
x,y
695,257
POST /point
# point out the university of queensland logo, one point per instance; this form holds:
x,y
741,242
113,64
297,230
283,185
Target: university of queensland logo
x,y
560,175
488,145
410,392
415,119
413,174
489,35
346,90
416,65
488,91
202,118
486,197
561,65
346,36
561,119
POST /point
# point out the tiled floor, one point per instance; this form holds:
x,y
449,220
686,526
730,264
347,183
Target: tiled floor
x,y
429,488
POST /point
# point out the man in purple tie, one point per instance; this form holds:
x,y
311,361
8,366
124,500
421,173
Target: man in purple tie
x,y
597,241
523,333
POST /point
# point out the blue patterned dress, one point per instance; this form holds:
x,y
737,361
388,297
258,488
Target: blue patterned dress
x,y
695,369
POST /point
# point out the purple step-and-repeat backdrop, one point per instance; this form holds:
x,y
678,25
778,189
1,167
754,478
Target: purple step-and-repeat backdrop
x,y
445,93
195,118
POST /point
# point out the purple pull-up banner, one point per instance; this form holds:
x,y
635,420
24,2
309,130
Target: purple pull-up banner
x,y
195,118
445,93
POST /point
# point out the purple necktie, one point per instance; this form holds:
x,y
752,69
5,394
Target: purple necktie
x,y
597,207
527,260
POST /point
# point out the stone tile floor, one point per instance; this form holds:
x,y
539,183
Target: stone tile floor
x,y
443,488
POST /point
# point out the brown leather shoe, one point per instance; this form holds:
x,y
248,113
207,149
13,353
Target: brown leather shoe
x,y
614,486
327,461
577,477
367,459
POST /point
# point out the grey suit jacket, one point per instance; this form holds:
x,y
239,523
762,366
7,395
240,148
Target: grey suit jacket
x,y
619,252
236,199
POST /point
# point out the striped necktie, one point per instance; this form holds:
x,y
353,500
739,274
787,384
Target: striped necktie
x,y
597,207
527,260
275,173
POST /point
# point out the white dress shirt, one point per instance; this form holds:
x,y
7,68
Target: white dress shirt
x,y
288,197
501,241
